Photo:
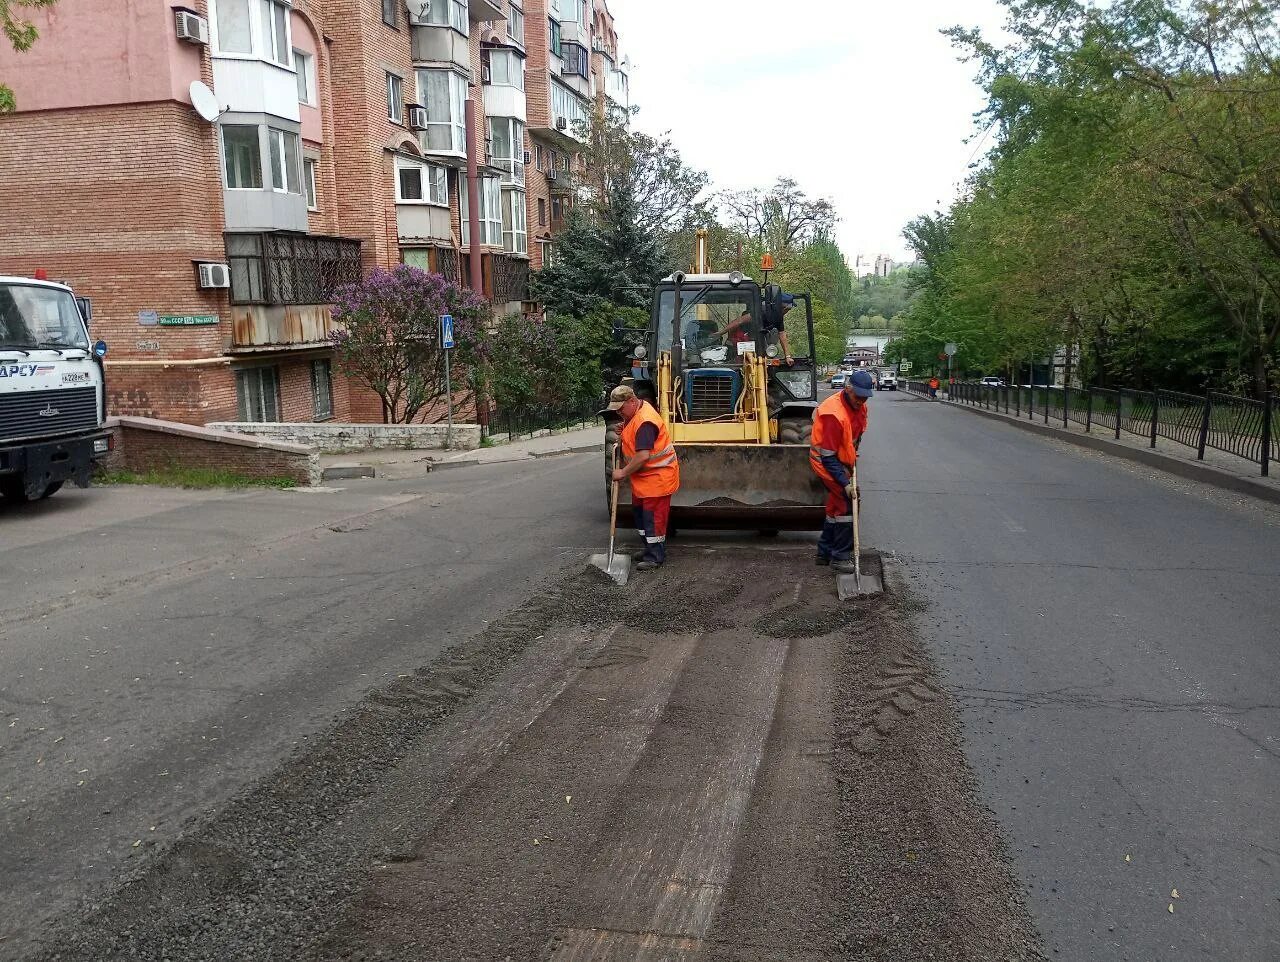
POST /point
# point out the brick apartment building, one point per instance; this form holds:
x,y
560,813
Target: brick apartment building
x,y
341,144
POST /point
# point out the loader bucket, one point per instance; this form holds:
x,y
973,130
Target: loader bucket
x,y
744,486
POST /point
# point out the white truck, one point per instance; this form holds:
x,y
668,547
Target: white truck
x,y
52,389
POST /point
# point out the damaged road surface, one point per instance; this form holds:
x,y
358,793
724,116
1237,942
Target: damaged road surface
x,y
719,762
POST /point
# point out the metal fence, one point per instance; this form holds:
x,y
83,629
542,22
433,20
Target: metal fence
x,y
531,420
1241,426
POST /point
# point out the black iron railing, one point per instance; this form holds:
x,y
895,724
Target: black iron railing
x,y
531,420
1240,426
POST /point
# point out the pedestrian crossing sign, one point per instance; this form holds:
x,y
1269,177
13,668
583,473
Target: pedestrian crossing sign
x,y
446,331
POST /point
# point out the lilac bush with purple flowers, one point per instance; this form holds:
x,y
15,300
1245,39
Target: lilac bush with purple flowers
x,y
388,338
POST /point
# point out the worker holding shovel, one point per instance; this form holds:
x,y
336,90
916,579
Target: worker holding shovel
x,y
649,460
838,426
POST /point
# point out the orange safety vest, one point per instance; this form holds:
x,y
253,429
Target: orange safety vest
x,y
934,383
852,423
661,474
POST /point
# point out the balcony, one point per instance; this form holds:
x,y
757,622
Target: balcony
x,y
288,268
486,11
506,278
511,170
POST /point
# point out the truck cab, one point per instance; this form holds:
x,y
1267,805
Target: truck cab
x,y
52,389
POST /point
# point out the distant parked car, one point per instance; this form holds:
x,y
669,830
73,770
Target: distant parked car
x,y
837,379
993,382
888,381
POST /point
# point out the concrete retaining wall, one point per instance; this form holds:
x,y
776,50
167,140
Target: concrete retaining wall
x,y
340,438
147,444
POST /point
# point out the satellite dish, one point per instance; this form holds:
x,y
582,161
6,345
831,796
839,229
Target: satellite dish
x,y
204,101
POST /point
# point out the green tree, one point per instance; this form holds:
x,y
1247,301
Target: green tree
x,y
22,35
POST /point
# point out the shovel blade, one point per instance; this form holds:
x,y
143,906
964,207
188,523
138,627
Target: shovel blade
x,y
619,568
871,581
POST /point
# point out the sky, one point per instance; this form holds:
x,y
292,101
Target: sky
x,y
862,102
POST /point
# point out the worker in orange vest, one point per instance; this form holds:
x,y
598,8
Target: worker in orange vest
x,y
838,427
934,384
649,460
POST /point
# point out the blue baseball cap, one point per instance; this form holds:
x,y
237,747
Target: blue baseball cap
x,y
786,300
861,384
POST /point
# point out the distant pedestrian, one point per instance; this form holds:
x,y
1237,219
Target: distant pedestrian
x,y
838,426
934,384
649,460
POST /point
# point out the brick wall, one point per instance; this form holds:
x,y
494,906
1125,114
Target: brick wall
x,y
148,445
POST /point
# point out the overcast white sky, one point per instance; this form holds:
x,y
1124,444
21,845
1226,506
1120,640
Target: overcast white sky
x,y
860,101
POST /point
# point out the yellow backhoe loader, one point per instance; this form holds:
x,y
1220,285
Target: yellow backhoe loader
x,y
738,414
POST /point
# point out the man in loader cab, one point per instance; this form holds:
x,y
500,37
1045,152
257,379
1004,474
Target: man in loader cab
x,y
649,460
838,426
771,319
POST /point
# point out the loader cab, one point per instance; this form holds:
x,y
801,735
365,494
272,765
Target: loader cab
x,y
711,327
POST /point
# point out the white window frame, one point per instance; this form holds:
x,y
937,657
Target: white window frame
x,y
566,103
395,98
271,40
513,164
456,109
226,170
433,181
288,144
490,213
304,65
250,8
309,167
514,68
515,236
447,13
515,24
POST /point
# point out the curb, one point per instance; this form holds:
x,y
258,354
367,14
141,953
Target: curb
x,y
345,471
1203,473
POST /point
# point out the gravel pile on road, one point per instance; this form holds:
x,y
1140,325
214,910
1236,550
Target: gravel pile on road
x,y
862,838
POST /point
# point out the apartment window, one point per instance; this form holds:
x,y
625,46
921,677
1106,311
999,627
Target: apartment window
x,y
389,12
557,210
395,99
515,236
275,31
283,267
555,36
421,184
309,165
506,68
515,24
258,393
445,96
570,11
305,66
542,212
546,248
322,389
286,160
506,150
242,156
565,103
447,13
490,213
575,59
537,156
235,35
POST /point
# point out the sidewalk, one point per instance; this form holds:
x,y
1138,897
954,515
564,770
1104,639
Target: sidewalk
x,y
1218,468
400,464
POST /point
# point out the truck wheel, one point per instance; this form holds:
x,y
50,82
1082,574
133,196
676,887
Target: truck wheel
x,y
12,489
794,430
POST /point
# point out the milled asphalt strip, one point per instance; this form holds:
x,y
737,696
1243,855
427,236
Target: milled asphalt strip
x,y
18,616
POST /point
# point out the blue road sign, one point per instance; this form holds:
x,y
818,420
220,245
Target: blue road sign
x,y
446,331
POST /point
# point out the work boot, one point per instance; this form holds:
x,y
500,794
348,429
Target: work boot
x,y
821,559
842,566
647,566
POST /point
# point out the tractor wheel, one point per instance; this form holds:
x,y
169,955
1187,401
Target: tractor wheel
x,y
794,430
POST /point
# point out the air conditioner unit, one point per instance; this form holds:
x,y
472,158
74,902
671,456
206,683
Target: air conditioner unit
x,y
597,46
191,27
214,275
553,175
417,116
562,123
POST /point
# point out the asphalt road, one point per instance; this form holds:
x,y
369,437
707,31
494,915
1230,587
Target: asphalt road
x,y
161,649
1111,635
